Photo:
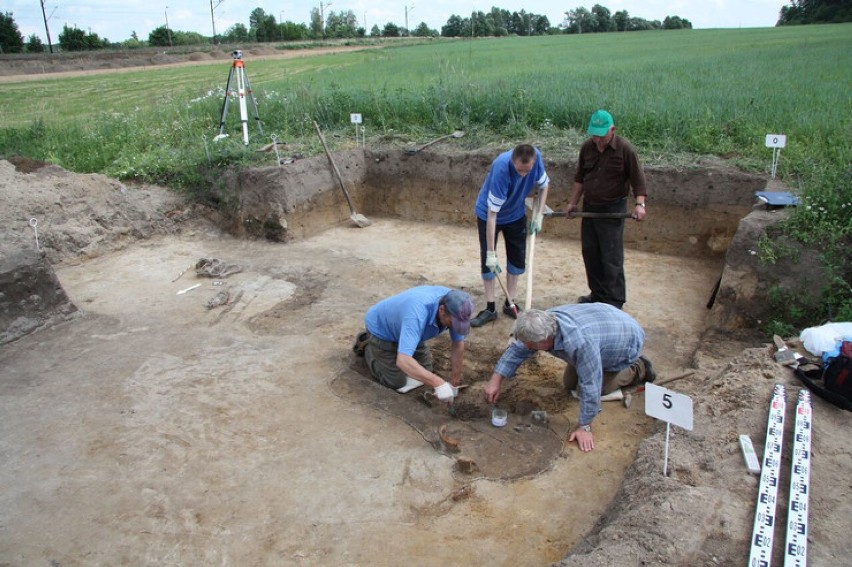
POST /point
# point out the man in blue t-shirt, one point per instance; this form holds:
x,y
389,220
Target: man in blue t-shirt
x,y
500,208
394,344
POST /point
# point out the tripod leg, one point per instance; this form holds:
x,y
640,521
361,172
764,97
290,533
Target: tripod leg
x,y
224,113
253,104
241,90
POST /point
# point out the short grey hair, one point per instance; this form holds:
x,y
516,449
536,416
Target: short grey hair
x,y
534,325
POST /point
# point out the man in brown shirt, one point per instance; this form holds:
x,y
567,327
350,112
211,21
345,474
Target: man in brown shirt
x,y
607,169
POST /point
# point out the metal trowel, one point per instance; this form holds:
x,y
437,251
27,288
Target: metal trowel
x,y
784,355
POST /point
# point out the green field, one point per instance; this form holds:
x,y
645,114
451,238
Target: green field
x,y
704,91
672,93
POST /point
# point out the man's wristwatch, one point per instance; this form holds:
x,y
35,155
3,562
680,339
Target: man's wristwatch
x,y
640,205
586,428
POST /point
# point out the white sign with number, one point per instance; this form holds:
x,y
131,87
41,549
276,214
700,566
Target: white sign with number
x,y
668,406
355,118
776,140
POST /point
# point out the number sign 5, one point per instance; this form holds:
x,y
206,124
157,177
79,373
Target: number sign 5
x,y
668,406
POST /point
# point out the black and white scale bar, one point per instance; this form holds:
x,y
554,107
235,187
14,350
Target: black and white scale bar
x,y
796,550
764,514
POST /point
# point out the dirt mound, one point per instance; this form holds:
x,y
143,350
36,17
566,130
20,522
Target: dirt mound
x,y
49,216
702,513
79,215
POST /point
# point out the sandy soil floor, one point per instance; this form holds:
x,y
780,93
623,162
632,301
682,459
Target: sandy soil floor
x,y
153,429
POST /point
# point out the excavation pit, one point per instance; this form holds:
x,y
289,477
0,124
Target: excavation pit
x,y
147,425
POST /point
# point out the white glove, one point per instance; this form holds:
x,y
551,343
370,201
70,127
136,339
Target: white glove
x,y
491,262
444,392
535,223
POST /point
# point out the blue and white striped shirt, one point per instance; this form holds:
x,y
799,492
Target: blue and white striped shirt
x,y
504,189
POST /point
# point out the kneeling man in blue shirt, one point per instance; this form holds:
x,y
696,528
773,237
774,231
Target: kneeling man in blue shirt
x,y
398,328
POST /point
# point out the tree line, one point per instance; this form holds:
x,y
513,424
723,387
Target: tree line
x,y
801,12
600,20
497,22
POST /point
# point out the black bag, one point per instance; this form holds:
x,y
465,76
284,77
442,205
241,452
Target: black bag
x,y
833,381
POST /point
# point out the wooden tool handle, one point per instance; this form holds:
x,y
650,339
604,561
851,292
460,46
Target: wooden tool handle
x,y
334,167
582,215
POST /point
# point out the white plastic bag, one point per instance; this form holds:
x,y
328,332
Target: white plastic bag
x,y
818,340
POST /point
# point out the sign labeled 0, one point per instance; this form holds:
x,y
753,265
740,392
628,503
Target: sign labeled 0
x,y
776,140
668,406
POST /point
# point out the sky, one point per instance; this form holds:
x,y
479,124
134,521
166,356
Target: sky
x,y
115,20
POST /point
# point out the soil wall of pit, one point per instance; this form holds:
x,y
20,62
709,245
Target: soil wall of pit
x,y
691,212
706,212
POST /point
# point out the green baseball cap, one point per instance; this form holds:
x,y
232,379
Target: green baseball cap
x,y
600,123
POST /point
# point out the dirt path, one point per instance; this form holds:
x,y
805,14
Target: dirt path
x,y
17,71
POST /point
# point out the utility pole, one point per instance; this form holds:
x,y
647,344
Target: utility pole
x,y
407,10
46,29
281,24
213,18
322,17
168,29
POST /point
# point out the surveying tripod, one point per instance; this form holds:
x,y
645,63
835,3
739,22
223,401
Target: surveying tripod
x,y
238,75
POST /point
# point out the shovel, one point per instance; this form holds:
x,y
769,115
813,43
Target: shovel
x,y
456,134
357,218
534,205
548,212
509,299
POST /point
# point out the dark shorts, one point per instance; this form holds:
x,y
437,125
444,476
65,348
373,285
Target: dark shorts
x,y
515,235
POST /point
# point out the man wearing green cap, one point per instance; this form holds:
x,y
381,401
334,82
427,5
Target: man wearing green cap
x,y
607,169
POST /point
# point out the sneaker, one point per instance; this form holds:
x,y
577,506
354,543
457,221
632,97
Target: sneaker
x,y
510,309
649,375
484,316
586,299
360,343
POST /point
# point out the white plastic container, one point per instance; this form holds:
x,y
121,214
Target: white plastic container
x,y
499,417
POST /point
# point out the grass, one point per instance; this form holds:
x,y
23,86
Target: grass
x,y
672,93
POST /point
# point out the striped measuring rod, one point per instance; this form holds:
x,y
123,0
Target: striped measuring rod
x,y
764,514
796,550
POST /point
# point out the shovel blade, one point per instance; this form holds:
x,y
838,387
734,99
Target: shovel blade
x,y
530,203
360,220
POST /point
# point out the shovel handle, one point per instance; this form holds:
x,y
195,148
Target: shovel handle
x,y
582,215
509,299
334,167
456,134
435,141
